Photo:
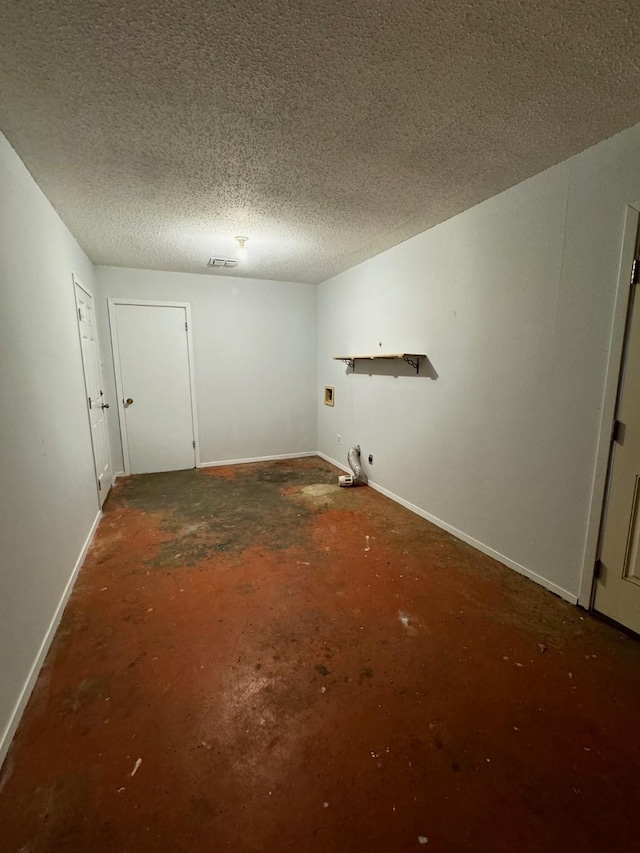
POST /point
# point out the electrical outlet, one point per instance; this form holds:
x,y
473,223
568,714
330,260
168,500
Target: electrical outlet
x,y
339,439
371,459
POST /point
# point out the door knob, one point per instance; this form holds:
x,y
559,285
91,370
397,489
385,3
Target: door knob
x,y
128,402
105,405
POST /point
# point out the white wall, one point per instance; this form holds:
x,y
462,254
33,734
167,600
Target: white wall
x,y
255,359
48,500
513,301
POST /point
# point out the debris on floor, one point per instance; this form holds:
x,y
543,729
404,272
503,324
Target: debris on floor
x,y
457,689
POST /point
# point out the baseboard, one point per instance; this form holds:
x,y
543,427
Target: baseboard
x,y
480,546
116,475
10,730
335,462
248,459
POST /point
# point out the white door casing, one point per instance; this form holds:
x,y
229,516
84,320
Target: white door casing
x,y
153,358
96,402
617,591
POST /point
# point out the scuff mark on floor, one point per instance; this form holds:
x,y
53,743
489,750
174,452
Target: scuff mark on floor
x,y
409,623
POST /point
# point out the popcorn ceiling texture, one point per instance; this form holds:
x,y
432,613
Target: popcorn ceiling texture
x,y
326,132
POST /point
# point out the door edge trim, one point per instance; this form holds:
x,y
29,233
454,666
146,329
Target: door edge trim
x,y
600,479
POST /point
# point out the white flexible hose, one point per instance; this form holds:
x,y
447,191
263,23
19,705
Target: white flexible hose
x,y
359,478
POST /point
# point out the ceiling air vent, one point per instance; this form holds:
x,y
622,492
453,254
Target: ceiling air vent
x,y
222,262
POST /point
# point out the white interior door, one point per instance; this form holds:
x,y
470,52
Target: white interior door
x,y
94,385
618,583
151,352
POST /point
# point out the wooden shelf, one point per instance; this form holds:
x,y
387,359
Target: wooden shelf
x,y
411,358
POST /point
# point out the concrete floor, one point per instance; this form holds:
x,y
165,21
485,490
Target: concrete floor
x,y
255,660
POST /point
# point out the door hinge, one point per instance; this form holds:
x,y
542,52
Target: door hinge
x,y
635,271
597,568
186,327
617,432
99,486
194,444
79,314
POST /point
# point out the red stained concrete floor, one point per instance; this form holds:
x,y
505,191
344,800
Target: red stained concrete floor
x,y
291,666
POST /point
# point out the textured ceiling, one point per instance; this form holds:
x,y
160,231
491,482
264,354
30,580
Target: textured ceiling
x,y
325,131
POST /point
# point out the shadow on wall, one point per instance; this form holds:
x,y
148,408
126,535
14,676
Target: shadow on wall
x,y
393,367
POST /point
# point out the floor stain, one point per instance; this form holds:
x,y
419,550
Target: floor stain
x,y
265,643
207,512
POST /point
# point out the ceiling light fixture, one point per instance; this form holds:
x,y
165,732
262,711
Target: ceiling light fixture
x,y
242,247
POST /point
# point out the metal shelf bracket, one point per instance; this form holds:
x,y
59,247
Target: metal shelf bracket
x,y
415,364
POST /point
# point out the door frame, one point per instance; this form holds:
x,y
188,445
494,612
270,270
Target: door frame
x,y
76,281
112,302
615,365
